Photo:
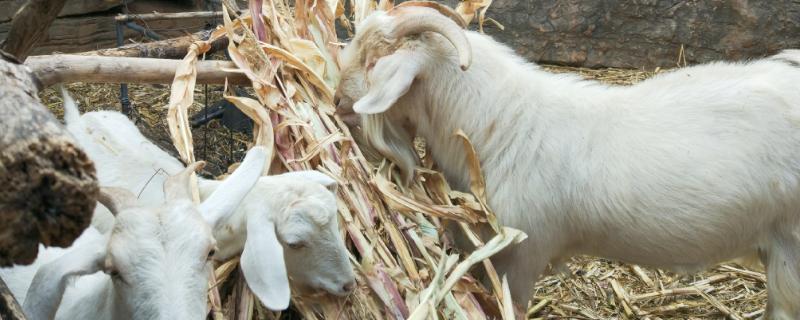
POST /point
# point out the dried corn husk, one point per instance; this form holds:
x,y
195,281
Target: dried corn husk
x,y
404,268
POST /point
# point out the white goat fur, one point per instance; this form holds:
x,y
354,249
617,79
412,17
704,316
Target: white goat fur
x,y
154,257
299,204
681,171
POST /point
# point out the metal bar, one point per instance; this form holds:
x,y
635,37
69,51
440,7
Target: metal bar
x,y
124,101
205,129
146,32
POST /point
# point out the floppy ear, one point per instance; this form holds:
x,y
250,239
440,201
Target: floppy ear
x,y
389,80
226,198
47,287
263,266
315,176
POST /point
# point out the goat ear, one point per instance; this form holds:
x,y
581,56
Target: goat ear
x,y
86,256
263,266
316,176
177,187
226,198
389,79
116,199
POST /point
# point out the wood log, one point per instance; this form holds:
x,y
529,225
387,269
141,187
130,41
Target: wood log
x,y
30,23
48,187
9,307
54,69
168,16
175,48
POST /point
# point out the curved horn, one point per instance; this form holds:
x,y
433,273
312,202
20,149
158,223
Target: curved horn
x,y
410,20
443,9
116,199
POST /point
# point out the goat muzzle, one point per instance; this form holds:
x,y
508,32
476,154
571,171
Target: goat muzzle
x,y
344,109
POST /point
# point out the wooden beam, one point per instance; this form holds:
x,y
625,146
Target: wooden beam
x,y
29,25
175,48
53,69
9,307
167,16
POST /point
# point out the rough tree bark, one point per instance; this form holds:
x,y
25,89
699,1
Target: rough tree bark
x,y
47,184
29,24
635,34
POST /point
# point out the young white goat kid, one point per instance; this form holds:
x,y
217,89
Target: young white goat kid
x,y
681,171
153,257
300,206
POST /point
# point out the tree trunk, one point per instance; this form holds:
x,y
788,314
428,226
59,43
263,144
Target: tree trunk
x,y
175,48
48,186
73,68
29,24
9,307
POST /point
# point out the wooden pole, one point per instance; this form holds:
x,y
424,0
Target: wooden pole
x,y
175,48
168,16
52,69
9,307
48,187
29,25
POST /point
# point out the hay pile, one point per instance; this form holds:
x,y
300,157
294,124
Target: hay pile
x,y
405,266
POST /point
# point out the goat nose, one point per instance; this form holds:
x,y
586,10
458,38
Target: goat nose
x,y
349,287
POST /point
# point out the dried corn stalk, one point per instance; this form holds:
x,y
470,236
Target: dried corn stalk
x,y
397,245
469,9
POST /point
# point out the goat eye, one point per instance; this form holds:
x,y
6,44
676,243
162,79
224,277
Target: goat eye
x,y
113,273
211,253
297,245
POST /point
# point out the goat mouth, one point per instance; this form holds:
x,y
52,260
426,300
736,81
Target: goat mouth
x,y
332,290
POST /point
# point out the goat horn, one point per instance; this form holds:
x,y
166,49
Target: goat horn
x,y
412,20
177,187
443,9
116,199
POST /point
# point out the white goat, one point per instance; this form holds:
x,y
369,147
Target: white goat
x,y
682,171
153,258
301,206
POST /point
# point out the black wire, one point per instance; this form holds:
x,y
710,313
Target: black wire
x,y
205,128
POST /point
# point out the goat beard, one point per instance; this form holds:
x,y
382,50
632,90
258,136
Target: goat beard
x,y
391,141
